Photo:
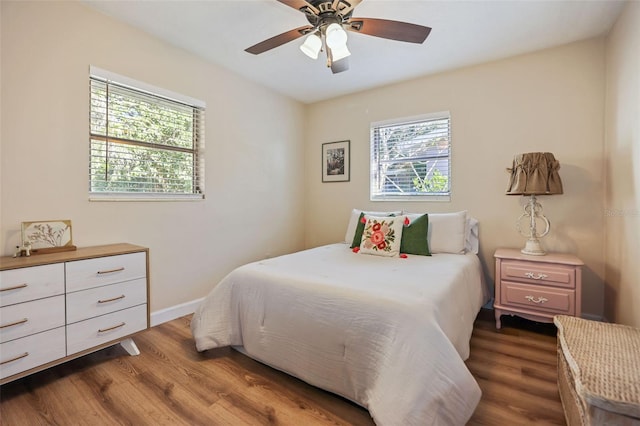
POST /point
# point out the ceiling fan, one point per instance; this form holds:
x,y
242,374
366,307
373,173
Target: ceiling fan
x,y
328,21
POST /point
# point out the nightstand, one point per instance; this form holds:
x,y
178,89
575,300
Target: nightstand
x,y
537,287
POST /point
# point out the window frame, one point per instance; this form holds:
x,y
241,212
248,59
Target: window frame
x,y
374,164
162,95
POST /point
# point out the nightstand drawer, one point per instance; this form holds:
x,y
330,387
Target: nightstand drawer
x,y
538,298
24,284
98,301
27,318
538,273
97,331
84,274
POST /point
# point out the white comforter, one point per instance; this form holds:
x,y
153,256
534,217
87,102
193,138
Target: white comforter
x,y
390,334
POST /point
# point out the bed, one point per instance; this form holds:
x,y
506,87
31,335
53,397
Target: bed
x,y
389,333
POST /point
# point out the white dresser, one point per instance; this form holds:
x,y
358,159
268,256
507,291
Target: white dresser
x,y
59,306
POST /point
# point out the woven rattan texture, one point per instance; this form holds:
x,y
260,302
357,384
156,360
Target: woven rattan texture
x,y
605,362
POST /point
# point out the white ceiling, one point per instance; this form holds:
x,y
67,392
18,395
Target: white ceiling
x,y
463,33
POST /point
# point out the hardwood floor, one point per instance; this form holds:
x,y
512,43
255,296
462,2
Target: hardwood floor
x,y
516,368
172,384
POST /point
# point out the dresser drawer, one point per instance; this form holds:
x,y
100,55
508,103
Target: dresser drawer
x,y
27,318
538,298
36,282
96,331
538,273
29,352
98,301
84,274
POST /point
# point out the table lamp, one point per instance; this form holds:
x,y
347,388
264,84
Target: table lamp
x,y
532,174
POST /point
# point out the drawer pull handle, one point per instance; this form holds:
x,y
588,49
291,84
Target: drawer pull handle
x,y
15,287
104,330
535,277
26,354
111,271
22,321
538,300
111,300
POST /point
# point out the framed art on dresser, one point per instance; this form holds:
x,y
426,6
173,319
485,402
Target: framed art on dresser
x,y
47,236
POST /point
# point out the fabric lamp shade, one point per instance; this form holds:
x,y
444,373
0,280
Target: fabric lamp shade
x,y
535,173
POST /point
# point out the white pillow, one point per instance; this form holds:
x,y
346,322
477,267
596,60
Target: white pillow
x,y
472,240
471,235
353,222
446,232
382,235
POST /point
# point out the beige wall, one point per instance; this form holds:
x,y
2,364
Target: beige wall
x,y
552,100
622,169
253,151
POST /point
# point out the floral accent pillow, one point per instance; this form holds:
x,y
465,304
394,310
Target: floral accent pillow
x,y
359,229
354,223
382,236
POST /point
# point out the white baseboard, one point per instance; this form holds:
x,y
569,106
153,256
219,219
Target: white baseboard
x,y
173,312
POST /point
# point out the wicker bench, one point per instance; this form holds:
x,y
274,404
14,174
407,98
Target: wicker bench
x,y
598,372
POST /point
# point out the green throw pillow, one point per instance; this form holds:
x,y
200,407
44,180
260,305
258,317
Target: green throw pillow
x,y
414,237
357,238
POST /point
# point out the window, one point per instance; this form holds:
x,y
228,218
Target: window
x,y
146,142
411,158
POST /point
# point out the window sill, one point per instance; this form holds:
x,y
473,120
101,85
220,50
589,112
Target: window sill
x,y
132,196
415,198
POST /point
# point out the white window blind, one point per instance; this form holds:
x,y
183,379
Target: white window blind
x,y
411,158
146,142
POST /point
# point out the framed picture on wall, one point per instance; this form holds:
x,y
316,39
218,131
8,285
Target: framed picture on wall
x,y
336,161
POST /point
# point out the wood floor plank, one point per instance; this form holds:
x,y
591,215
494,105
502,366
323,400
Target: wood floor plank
x,y
528,368
170,383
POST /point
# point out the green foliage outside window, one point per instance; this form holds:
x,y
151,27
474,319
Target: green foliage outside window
x,y
436,183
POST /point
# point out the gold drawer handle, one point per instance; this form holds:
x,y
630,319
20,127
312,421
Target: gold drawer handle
x,y
111,300
22,321
110,271
15,287
534,276
103,330
538,300
15,358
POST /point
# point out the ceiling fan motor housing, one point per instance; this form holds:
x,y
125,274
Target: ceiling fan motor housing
x,y
324,13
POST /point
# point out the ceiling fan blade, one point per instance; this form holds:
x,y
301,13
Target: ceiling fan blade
x,y
278,40
340,66
385,28
300,5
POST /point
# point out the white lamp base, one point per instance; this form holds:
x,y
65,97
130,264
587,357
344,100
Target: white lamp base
x,y
533,212
533,248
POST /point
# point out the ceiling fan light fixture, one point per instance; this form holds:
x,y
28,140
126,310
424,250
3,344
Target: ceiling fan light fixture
x,y
335,36
340,52
311,46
